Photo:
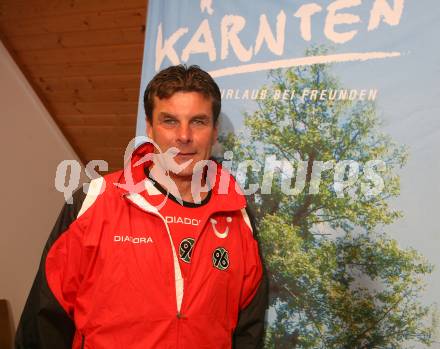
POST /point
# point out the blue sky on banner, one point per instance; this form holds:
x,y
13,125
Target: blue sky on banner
x,y
390,46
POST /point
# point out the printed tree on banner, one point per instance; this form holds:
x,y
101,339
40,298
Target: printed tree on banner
x,y
337,280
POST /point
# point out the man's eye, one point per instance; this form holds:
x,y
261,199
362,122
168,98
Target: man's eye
x,y
199,122
169,121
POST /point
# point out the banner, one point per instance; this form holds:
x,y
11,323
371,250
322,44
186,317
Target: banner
x,y
330,124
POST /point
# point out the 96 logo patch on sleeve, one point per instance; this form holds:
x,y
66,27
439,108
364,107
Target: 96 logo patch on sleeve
x,y
220,258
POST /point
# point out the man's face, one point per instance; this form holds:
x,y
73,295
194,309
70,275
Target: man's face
x,y
184,121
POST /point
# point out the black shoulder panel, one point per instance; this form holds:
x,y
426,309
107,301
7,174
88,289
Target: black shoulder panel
x,y
44,324
249,333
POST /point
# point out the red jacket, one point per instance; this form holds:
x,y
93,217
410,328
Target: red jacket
x,y
111,277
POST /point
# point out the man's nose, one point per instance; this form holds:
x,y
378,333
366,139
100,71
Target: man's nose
x,y
184,133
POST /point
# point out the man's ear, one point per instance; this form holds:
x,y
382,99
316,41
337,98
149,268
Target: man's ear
x,y
216,133
149,128
216,128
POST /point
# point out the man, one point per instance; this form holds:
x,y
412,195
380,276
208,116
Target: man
x,y
138,262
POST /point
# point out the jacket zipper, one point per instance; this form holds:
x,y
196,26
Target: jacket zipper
x,y
83,340
179,316
174,253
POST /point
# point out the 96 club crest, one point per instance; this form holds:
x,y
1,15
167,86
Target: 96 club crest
x,y
220,258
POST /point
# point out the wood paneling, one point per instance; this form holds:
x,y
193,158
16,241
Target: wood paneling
x,y
62,108
110,37
83,58
84,22
98,120
102,83
82,54
93,95
89,132
85,69
51,8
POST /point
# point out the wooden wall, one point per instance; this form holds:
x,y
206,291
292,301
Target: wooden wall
x,y
83,58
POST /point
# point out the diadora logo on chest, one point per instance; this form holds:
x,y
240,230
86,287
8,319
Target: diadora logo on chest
x,y
182,220
132,239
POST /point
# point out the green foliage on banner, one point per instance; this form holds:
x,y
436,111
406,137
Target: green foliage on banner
x,y
337,279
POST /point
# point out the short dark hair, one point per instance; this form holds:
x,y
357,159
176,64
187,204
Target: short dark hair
x,y
180,78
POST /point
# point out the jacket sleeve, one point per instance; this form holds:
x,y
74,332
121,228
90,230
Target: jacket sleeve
x,y
249,333
44,323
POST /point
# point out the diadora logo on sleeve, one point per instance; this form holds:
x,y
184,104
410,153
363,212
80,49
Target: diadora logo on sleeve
x,y
182,220
132,239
